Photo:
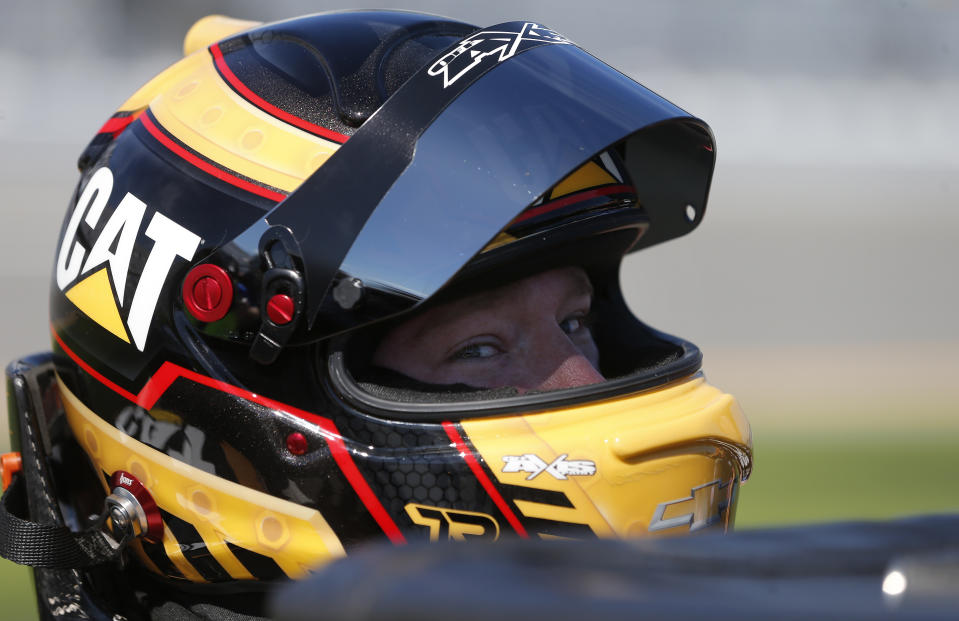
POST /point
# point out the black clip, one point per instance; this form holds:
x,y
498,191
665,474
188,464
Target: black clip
x,y
282,294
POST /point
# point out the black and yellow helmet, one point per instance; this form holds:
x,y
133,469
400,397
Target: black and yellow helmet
x,y
250,220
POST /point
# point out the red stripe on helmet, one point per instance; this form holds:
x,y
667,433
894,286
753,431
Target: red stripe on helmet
x,y
116,124
266,106
484,480
168,372
573,198
126,394
207,167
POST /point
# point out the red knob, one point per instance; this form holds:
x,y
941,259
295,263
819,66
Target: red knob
x,y
208,292
280,309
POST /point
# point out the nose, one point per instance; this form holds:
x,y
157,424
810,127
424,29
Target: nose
x,y
566,367
573,371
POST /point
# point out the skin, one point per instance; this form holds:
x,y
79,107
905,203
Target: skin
x,y
531,334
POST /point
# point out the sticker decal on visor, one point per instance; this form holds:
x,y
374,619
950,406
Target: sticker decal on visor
x,y
492,46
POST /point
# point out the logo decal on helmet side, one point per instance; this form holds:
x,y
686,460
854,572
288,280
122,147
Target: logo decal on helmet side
x,y
495,45
559,467
453,524
705,506
112,252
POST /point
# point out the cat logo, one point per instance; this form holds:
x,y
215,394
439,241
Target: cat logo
x,y
453,524
102,293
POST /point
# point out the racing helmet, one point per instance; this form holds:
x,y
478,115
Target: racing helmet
x,y
252,220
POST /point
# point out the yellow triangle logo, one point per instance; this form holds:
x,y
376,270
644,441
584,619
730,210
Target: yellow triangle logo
x,y
589,175
94,297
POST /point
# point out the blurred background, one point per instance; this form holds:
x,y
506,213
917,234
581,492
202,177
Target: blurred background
x,y
821,285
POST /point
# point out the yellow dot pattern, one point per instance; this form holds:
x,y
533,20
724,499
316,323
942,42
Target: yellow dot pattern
x,y
297,538
197,107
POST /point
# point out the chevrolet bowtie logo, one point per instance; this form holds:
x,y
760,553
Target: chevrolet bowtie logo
x,y
706,505
559,467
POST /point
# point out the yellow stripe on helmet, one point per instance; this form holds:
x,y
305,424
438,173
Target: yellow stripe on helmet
x,y
205,114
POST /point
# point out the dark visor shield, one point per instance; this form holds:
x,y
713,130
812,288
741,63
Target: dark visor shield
x,y
462,148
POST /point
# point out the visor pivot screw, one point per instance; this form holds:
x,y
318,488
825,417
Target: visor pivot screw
x,y
208,292
280,309
126,515
120,518
296,443
347,292
131,509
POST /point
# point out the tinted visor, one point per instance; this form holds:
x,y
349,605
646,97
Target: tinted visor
x,y
443,166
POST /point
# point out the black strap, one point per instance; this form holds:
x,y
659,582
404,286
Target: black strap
x,y
40,545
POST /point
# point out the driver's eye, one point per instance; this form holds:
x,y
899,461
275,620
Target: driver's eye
x,y
574,324
476,351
